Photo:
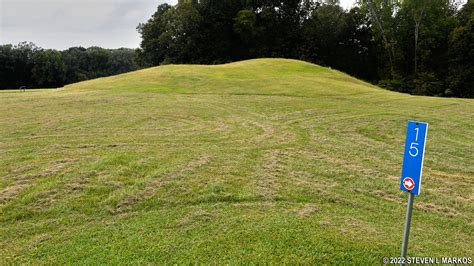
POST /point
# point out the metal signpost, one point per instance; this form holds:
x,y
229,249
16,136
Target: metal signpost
x,y
412,170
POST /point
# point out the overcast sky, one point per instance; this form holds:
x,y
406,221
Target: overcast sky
x,y
61,24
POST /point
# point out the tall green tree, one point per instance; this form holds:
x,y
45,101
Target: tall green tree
x,y
76,64
384,24
423,35
461,51
49,70
155,38
322,32
16,65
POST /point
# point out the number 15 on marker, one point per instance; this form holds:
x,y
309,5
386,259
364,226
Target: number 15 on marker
x,y
413,157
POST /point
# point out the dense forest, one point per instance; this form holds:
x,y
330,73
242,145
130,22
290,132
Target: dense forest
x,y
27,65
423,47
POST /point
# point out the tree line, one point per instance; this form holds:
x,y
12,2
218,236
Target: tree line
x,y
27,65
422,47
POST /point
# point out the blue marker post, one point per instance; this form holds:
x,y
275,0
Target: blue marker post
x,y
412,170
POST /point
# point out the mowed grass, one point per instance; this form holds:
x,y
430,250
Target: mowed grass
x,y
251,162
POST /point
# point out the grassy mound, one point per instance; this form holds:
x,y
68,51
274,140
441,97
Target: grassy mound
x,y
266,160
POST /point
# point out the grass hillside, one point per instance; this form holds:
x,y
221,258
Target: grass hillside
x,y
258,161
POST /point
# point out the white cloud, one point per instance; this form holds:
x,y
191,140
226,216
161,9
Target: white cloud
x,y
64,23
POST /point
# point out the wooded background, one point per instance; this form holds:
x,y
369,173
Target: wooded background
x,y
423,47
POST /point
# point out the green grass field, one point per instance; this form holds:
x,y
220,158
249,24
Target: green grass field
x,y
251,162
